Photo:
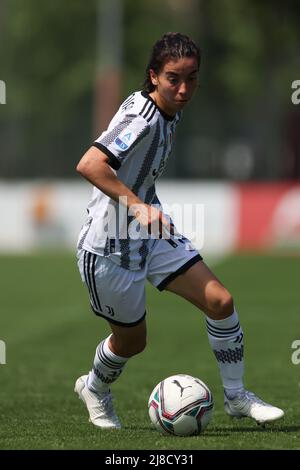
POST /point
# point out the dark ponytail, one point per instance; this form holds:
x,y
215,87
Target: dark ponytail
x,y
170,46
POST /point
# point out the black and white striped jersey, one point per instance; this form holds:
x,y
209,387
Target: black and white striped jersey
x,y
138,143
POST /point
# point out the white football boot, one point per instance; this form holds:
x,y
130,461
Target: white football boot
x,y
99,405
247,404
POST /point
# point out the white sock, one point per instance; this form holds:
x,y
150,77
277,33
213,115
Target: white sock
x,y
106,369
226,340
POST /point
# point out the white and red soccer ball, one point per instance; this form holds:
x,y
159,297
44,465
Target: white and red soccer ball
x,y
181,405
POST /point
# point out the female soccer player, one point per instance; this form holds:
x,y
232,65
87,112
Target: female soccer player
x,y
127,239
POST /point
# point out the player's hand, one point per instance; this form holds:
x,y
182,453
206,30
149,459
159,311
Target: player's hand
x,y
151,218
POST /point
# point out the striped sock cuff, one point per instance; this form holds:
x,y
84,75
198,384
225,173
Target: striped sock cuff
x,y
108,358
224,329
222,333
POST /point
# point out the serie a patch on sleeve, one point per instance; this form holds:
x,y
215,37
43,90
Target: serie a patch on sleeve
x,y
125,139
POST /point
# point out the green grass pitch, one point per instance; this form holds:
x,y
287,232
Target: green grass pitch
x,y
51,335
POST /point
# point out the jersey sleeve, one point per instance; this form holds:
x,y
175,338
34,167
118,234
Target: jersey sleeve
x,y
121,139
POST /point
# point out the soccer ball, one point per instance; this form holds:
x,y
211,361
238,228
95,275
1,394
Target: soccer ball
x,y
181,405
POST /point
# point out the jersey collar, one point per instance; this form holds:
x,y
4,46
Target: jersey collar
x,y
164,115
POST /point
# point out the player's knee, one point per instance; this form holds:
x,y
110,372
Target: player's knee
x,y
222,305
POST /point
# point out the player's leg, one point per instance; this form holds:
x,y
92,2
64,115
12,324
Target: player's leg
x,y
113,352
126,341
110,359
118,295
179,270
201,287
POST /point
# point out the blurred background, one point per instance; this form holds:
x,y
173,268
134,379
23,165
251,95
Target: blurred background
x,y
65,67
68,65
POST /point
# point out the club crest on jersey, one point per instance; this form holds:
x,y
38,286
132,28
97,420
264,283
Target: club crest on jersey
x,y
125,139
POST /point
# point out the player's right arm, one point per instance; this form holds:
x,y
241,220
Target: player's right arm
x,y
95,168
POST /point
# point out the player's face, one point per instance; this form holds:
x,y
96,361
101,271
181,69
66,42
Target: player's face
x,y
175,84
